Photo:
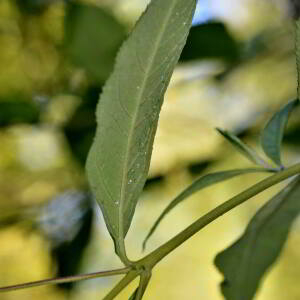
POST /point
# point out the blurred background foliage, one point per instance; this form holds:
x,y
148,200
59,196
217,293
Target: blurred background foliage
x,y
237,68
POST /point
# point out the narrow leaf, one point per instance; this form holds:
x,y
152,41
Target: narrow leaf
x,y
245,262
272,134
244,149
128,111
196,186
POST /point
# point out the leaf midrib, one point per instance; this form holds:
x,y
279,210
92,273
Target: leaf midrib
x,y
135,115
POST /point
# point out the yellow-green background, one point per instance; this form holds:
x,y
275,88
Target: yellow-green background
x,y
36,162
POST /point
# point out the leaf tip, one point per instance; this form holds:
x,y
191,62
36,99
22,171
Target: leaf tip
x,y
272,134
144,245
221,131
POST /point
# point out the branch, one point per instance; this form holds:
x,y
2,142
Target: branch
x,y
122,284
157,255
59,280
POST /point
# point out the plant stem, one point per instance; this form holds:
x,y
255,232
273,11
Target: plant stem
x,y
157,255
144,281
120,250
122,284
149,261
60,280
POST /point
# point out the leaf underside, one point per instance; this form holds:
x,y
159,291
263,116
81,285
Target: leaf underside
x,y
201,183
128,110
246,261
272,134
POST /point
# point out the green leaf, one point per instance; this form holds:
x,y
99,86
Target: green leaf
x,y
196,186
128,111
244,149
245,262
92,38
272,134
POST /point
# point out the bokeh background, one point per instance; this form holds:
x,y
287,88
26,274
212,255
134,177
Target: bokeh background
x,y
237,68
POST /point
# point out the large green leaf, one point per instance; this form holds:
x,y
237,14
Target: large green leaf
x,y
243,148
272,134
128,111
201,183
245,262
92,39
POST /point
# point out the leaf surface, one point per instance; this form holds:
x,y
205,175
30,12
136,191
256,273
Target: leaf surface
x,y
201,183
128,111
272,134
243,148
246,261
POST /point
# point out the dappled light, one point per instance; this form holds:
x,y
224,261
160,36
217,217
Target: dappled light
x,y
236,70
